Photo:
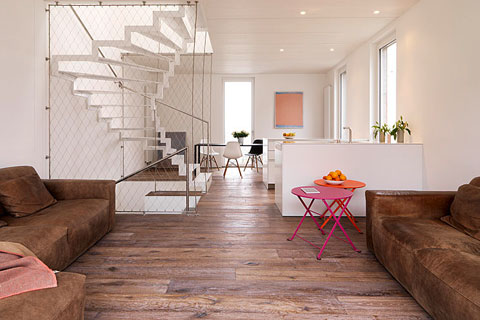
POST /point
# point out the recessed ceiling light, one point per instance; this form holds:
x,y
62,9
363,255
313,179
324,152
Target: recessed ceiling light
x,y
376,12
303,13
281,50
332,49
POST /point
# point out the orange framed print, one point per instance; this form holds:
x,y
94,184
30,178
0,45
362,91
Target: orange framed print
x,y
288,109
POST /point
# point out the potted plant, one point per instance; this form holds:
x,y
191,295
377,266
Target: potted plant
x,y
383,130
398,131
240,135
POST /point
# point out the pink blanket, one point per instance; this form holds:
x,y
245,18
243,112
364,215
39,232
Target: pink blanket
x,y
19,274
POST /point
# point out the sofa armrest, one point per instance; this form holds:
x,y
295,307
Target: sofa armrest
x,y
68,189
412,204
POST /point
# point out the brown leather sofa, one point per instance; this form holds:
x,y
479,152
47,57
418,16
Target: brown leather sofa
x,y
58,235
437,264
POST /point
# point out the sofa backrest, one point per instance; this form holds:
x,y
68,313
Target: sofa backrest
x,y
475,182
14,172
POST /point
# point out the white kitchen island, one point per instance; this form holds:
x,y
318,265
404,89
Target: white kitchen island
x,y
269,158
380,166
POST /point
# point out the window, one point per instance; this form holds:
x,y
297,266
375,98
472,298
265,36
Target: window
x,y
342,103
388,83
238,97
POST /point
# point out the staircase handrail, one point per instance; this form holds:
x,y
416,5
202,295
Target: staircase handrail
x,y
155,163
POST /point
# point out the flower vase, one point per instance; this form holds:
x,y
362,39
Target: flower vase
x,y
401,136
382,137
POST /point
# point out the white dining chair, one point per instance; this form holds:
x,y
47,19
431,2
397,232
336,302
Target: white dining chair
x,y
232,152
208,154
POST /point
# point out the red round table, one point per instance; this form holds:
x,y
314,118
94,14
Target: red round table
x,y
323,194
351,185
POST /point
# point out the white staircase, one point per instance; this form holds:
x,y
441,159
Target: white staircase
x,y
94,78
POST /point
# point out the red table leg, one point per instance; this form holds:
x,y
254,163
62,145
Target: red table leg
x,y
337,222
340,203
307,211
349,215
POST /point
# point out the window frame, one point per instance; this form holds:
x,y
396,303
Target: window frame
x,y
383,45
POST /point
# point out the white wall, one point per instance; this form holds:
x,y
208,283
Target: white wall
x,y
438,86
265,87
23,139
358,95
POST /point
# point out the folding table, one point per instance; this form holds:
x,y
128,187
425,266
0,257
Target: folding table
x,y
351,185
324,194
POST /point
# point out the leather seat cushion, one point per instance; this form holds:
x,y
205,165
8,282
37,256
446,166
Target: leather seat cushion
x,y
65,302
86,221
48,243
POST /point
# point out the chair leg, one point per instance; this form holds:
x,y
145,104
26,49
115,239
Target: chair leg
x,y
260,158
226,167
216,164
201,161
239,170
256,162
246,164
211,164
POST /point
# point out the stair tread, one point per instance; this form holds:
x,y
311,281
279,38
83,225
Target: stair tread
x,y
173,193
97,59
113,92
105,77
132,129
154,33
121,44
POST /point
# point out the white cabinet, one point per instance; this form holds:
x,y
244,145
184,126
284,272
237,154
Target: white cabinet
x,y
380,166
269,162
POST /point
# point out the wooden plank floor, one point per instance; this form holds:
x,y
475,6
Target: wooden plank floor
x,y
232,261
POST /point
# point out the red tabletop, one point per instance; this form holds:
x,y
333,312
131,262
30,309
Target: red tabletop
x,y
347,184
324,193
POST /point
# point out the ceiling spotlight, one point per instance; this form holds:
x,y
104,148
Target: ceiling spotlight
x,y
303,13
376,12
332,49
281,50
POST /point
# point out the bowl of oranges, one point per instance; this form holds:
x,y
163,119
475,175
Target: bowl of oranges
x,y
335,177
289,135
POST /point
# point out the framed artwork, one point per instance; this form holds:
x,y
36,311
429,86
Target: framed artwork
x,y
288,110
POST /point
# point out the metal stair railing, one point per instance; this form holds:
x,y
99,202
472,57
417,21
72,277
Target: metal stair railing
x,y
155,166
156,99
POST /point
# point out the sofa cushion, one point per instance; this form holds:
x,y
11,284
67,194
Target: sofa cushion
x,y
16,248
23,196
48,243
448,279
65,302
465,211
416,234
12,173
86,221
475,182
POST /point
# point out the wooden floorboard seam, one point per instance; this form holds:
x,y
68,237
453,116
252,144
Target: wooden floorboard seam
x,y
232,261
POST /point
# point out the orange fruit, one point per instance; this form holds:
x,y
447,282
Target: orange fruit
x,y
337,179
338,172
329,178
343,177
334,175
324,177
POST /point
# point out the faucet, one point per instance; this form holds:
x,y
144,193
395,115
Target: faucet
x,y
349,133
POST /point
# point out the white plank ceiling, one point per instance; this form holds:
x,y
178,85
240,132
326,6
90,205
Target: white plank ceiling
x,y
247,35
